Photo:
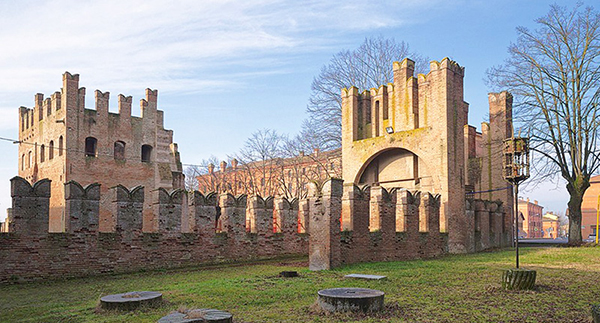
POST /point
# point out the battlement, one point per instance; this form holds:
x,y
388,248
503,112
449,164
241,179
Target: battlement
x,y
378,224
377,200
74,99
447,63
102,101
25,211
383,224
68,77
193,228
386,224
403,105
489,222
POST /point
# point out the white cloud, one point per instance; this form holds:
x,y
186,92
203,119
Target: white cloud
x,y
178,47
134,42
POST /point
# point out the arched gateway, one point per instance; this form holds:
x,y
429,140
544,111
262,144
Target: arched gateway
x,y
413,134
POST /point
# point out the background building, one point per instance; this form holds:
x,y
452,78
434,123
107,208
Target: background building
x,y
285,177
61,140
589,207
532,218
551,225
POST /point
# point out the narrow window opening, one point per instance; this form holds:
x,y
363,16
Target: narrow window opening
x,y
42,153
386,113
146,153
51,150
91,147
60,146
376,123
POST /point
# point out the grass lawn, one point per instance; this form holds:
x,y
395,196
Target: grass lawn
x,y
456,288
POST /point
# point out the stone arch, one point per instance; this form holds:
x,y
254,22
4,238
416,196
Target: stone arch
x,y
395,167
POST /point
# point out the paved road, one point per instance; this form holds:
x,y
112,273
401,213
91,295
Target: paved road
x,y
542,242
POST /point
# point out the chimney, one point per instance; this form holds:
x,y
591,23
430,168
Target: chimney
x,y
211,168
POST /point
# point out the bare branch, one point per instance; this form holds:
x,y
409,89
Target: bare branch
x,y
370,65
554,73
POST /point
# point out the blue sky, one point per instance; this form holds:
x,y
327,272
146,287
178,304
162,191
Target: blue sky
x,y
227,68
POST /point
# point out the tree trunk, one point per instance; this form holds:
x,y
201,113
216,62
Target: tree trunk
x,y
576,191
518,279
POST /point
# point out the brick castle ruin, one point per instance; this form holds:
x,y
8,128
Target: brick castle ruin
x,y
63,141
417,182
414,170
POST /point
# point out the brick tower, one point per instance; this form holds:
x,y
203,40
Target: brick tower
x,y
63,141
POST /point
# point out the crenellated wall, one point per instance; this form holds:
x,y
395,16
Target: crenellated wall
x,y
193,229
392,224
188,231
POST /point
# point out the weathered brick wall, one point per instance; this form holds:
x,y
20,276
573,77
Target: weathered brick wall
x,y
395,224
29,252
382,225
53,138
489,224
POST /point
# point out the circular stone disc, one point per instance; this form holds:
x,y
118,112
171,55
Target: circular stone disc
x,y
129,301
351,299
198,315
350,293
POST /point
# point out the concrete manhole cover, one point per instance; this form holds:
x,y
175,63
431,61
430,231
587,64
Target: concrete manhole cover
x,y
351,299
130,301
198,315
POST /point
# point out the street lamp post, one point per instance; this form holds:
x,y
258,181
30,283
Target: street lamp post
x,y
516,170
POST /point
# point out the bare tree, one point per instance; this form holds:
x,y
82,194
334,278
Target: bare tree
x,y
368,66
203,178
303,164
191,172
261,161
554,74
